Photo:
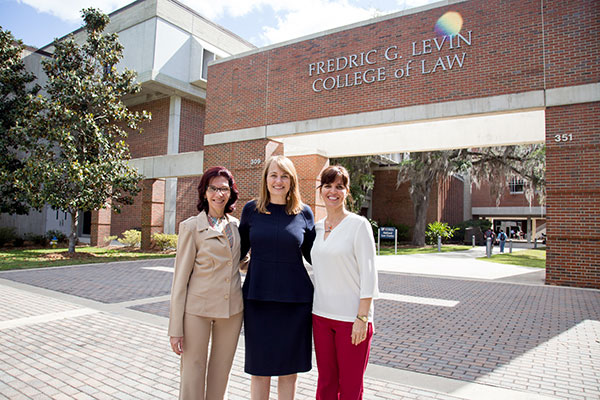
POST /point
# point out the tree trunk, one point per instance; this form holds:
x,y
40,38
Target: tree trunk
x,y
420,199
73,234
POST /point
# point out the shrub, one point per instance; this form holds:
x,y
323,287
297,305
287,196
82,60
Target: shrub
x,y
165,241
436,229
18,242
7,235
38,240
131,238
374,227
60,236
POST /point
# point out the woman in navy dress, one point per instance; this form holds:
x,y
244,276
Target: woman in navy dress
x,y
277,291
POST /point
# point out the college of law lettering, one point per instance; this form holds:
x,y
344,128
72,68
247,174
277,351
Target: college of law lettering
x,y
362,68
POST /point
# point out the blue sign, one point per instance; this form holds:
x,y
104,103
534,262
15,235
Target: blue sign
x,y
387,232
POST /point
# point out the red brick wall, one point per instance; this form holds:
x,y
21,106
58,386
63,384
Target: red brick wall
x,y
187,199
505,56
100,229
573,195
450,201
481,197
130,217
153,210
153,140
238,99
395,205
571,42
191,130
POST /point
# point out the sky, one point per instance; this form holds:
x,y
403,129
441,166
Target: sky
x,y
261,22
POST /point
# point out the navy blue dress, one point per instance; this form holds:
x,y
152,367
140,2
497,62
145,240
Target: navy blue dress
x,y
277,291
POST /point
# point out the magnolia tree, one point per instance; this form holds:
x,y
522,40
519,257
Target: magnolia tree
x,y
15,97
79,126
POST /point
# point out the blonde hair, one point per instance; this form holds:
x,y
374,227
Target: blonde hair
x,y
293,201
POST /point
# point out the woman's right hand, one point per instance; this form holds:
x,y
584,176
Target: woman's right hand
x,y
177,344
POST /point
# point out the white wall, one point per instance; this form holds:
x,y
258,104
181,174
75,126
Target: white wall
x,y
138,43
37,222
34,223
58,220
172,51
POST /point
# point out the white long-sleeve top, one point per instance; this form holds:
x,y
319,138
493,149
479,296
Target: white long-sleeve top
x,y
344,268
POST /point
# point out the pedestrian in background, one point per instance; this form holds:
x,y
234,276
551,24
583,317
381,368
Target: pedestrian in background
x,y
343,258
490,234
502,240
278,292
206,296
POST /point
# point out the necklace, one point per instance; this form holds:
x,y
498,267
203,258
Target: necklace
x,y
216,222
330,225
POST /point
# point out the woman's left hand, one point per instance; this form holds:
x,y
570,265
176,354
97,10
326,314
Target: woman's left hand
x,y
359,332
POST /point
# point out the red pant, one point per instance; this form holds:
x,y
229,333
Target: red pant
x,y
341,364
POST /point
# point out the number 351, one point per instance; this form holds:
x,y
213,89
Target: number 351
x,y
564,137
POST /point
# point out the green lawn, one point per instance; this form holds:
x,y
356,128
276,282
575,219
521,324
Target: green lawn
x,y
39,258
526,258
389,251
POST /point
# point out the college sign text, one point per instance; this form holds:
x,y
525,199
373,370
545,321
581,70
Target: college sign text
x,y
365,67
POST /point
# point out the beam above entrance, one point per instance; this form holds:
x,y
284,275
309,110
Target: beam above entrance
x,y
171,165
482,131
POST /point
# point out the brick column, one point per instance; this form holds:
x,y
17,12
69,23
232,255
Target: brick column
x,y
309,169
245,160
573,195
100,230
153,209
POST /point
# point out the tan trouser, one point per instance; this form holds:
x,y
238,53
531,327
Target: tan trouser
x,y
195,376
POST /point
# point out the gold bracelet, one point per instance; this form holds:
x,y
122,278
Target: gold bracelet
x,y
363,318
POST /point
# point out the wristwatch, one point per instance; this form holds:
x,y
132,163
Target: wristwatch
x,y
363,318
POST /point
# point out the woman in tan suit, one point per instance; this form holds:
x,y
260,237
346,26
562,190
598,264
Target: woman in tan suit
x,y
206,297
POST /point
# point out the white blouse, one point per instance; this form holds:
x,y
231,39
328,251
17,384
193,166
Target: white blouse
x,y
344,268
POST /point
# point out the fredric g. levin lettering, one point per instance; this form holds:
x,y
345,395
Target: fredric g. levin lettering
x,y
361,68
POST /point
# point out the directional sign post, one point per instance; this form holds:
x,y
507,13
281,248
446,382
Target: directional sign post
x,y
387,232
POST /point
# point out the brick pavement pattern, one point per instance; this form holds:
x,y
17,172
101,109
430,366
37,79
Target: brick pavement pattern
x,y
529,338
108,283
160,308
507,335
104,356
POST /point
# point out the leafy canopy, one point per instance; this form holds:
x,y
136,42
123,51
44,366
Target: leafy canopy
x,y
79,127
495,165
15,91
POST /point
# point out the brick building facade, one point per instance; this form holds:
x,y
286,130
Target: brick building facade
x,y
361,89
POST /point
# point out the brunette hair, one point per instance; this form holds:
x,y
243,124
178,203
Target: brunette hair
x,y
330,174
209,174
293,201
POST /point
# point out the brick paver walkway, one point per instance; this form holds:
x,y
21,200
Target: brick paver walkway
x,y
544,341
108,283
509,335
104,356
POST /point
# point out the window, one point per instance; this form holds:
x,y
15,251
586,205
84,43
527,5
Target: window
x,y
515,185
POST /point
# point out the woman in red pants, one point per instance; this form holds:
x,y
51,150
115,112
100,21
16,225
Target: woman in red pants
x,y
343,260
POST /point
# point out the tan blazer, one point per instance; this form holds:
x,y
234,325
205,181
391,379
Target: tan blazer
x,y
206,281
